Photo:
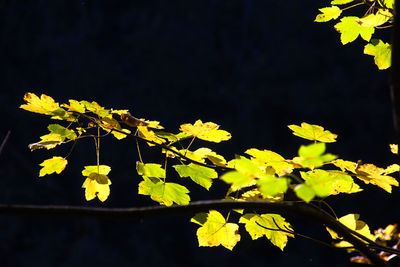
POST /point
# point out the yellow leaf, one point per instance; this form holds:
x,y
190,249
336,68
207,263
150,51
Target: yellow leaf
x,y
387,233
148,134
216,231
208,131
272,159
313,132
93,188
75,106
43,105
55,164
48,141
369,173
328,13
352,222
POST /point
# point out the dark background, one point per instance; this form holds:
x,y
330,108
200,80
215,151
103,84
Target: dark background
x,y
251,66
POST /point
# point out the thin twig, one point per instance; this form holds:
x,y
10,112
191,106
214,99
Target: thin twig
x,y
3,144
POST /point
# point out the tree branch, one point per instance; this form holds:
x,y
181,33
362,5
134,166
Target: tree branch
x,y
295,208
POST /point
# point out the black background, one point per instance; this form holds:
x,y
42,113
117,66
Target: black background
x,y
251,66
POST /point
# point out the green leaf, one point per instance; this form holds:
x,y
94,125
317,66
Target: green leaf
x,y
341,2
304,192
350,29
216,231
199,174
313,132
237,180
271,186
164,193
55,164
150,170
62,131
254,226
381,51
328,13
312,156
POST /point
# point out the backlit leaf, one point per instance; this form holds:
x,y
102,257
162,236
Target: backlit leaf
x,y
199,174
216,231
75,106
352,222
48,141
389,3
254,225
377,19
272,159
312,156
382,53
95,108
328,13
350,29
369,173
148,134
313,132
43,105
55,164
237,180
101,169
208,131
150,170
271,186
62,131
164,193
97,185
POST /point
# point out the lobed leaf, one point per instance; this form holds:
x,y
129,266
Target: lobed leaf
x,y
55,164
272,159
164,193
199,174
150,170
312,156
215,231
313,132
328,13
350,29
208,131
43,105
382,53
260,225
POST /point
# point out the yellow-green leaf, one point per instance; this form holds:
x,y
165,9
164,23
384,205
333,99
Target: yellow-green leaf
x,y
75,106
55,164
267,225
43,105
148,134
389,3
382,53
350,29
313,132
377,19
312,156
272,159
199,174
328,13
48,141
164,193
208,131
62,131
150,170
216,231
270,186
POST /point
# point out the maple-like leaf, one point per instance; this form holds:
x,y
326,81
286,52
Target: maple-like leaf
x,y
271,186
313,132
75,106
62,131
97,184
312,156
350,29
199,174
382,53
95,108
215,231
208,131
55,164
328,13
389,3
352,222
164,193
369,173
244,175
260,225
43,105
148,134
376,19
323,183
272,159
150,170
